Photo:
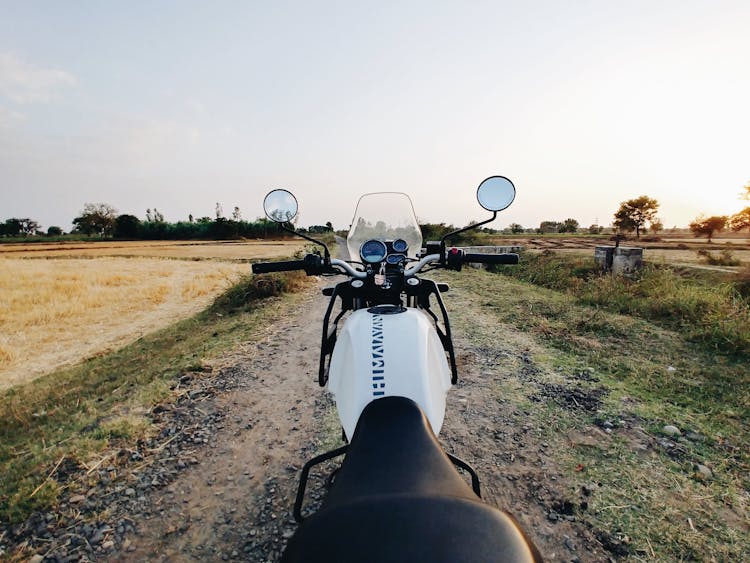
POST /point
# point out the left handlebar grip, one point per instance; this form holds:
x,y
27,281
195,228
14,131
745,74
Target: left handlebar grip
x,y
286,266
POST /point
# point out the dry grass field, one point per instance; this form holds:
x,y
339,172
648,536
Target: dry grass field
x,y
62,303
201,250
57,311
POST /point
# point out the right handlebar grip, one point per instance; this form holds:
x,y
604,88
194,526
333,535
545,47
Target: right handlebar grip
x,y
492,258
287,266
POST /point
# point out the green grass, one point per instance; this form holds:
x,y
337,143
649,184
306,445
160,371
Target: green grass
x,y
708,308
42,239
645,498
653,323
74,413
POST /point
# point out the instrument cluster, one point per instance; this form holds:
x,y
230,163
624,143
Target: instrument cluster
x,y
375,251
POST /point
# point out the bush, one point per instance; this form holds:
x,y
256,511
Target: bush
x,y
126,226
251,288
551,270
724,258
742,283
436,231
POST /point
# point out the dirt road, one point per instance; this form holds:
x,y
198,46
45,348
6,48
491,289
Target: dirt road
x,y
236,502
218,483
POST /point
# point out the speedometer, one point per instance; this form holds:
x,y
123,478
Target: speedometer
x,y
373,251
400,245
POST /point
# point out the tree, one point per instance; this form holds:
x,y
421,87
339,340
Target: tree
x,y
126,226
635,213
568,226
29,226
740,221
515,228
595,229
236,214
54,231
708,225
12,227
154,216
548,227
16,226
746,195
656,226
96,218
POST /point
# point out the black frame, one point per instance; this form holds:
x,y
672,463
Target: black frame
x,y
303,479
353,298
302,486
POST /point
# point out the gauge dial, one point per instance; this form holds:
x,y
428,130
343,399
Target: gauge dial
x,y
400,245
395,258
373,251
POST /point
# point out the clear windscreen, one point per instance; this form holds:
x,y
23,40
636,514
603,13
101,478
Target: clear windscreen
x,y
384,216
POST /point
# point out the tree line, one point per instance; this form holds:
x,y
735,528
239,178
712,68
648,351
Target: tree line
x,y
637,215
102,220
708,226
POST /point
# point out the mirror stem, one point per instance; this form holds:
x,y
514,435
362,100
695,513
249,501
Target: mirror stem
x,y
459,231
327,252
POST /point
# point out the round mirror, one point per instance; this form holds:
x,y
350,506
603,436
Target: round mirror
x,y
496,193
280,206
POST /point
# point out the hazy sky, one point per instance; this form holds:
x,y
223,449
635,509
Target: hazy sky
x,y
178,105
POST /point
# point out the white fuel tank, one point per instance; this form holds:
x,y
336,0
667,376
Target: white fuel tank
x,y
380,355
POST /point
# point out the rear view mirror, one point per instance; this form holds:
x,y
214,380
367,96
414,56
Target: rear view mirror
x,y
496,193
280,206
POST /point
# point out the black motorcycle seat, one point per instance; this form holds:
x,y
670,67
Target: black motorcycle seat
x,y
397,497
394,451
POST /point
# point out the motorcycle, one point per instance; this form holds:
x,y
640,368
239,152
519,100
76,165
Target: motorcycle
x,y
397,495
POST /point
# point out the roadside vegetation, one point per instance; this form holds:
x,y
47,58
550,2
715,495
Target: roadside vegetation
x,y
68,418
723,258
643,394
705,307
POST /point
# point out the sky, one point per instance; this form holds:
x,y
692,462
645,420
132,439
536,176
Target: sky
x,y
179,105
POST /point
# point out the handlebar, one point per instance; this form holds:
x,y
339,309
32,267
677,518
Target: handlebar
x,y
455,258
491,258
348,269
414,270
287,266
314,264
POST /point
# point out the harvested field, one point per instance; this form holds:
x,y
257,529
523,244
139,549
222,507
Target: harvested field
x,y
201,250
676,257
676,251
59,311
